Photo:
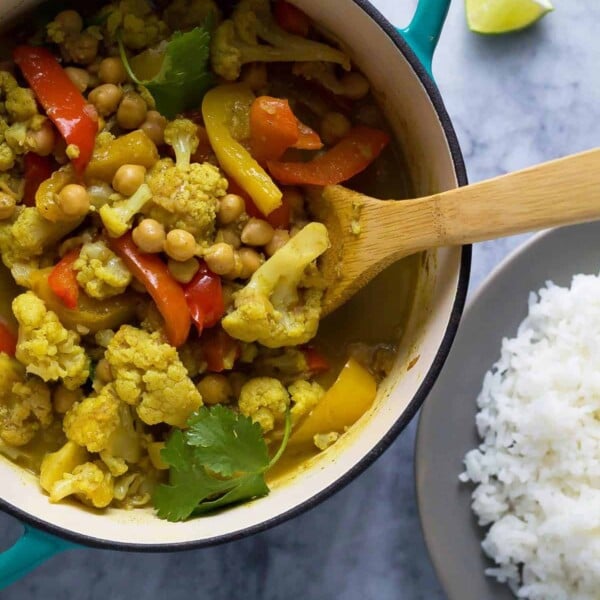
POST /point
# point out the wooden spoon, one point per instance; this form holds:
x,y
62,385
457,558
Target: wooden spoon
x,y
368,234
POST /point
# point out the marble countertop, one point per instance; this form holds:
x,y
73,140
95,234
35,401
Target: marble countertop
x,y
515,100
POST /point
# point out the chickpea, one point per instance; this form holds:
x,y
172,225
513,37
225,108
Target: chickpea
x,y
237,267
154,127
228,236
251,260
215,389
7,205
63,399
74,200
106,98
255,76
42,141
334,126
80,77
280,239
111,70
231,208
132,111
257,232
220,258
149,236
355,85
184,272
128,179
69,20
103,372
180,245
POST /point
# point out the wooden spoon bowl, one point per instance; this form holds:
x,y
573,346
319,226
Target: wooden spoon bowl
x,y
368,235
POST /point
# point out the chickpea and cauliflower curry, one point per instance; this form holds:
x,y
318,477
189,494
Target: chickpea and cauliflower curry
x,y
160,345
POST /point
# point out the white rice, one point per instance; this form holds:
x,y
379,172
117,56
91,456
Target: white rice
x,y
538,467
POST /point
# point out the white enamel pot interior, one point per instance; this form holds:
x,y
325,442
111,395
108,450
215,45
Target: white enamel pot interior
x,y
415,111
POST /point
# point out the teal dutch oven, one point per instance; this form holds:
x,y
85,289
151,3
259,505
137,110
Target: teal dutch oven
x,y
398,65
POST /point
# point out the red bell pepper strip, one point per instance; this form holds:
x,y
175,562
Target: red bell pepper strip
x,y
315,361
273,128
8,340
204,296
220,350
37,169
291,18
154,275
63,279
64,104
347,158
308,139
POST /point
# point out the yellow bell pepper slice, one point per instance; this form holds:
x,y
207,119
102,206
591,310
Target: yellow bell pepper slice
x,y
343,404
217,108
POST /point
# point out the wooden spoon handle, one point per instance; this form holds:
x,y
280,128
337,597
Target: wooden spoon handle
x,y
560,192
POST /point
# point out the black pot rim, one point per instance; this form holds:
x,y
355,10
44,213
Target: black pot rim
x,y
401,422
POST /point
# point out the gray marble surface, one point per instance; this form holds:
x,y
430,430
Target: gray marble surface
x,y
514,100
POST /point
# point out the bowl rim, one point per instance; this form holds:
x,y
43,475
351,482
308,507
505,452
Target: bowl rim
x,y
412,407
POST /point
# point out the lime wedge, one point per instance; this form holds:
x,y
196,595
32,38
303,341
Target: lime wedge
x,y
502,16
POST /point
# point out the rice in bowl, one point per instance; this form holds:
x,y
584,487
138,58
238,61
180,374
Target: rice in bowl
x,y
537,469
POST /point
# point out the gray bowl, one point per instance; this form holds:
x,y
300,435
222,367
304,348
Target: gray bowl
x,y
447,423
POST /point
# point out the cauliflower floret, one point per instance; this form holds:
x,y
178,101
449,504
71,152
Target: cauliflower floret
x,y
25,404
251,35
138,26
187,14
353,86
305,396
265,401
118,216
64,460
104,424
182,136
45,347
270,309
186,198
19,102
27,235
149,375
7,157
100,272
91,482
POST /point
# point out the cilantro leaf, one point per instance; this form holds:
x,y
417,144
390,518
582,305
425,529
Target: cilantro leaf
x,y
184,75
219,461
246,488
227,441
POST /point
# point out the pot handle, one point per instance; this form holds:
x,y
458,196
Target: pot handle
x,y
29,551
423,32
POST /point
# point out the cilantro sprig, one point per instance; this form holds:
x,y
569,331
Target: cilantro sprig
x,y
220,460
184,76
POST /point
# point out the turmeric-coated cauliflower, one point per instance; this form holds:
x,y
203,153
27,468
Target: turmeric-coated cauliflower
x,y
19,102
24,403
100,272
149,375
186,197
305,396
271,309
91,482
135,22
181,15
103,423
45,347
27,235
264,400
